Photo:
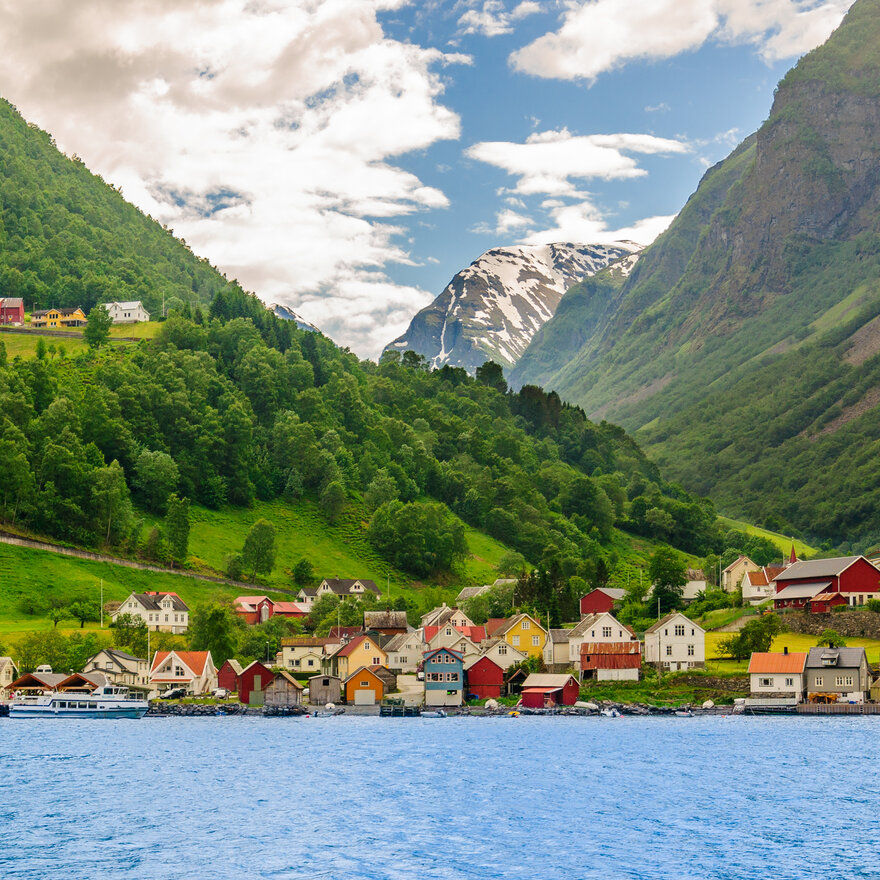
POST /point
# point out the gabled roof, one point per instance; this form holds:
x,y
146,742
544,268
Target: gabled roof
x,y
757,578
133,304
153,601
11,302
195,661
671,616
307,641
47,680
234,665
79,680
738,560
802,591
818,568
546,680
308,591
430,655
342,586
470,592
361,670
474,659
559,636
395,643
503,624
768,662
289,679
591,620
385,620
696,574
355,643
844,658
614,593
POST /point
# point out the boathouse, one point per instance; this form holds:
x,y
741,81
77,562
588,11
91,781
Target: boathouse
x,y
484,679
543,691
252,684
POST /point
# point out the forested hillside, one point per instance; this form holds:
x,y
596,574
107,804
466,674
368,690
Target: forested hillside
x,y
67,238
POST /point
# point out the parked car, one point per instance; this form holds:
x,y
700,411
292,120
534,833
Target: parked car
x,y
420,675
173,694
220,693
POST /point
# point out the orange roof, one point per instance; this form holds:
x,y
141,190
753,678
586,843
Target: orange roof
x,y
770,662
757,578
195,660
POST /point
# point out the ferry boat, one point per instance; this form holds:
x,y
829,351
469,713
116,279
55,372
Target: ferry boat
x,y
107,701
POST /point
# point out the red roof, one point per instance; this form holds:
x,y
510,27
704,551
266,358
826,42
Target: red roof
x,y
493,624
195,660
757,578
611,655
769,662
340,632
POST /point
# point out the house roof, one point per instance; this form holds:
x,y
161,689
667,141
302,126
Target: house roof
x,y
321,675
307,642
757,578
62,311
588,622
153,601
395,643
612,592
470,592
473,660
737,561
234,665
385,620
499,625
771,572
309,591
611,648
802,591
11,302
90,680
827,597
768,662
559,636
288,678
547,680
354,644
696,574
817,568
290,608
5,661
48,680
194,660
673,614
133,304
342,586
429,655
365,670
844,658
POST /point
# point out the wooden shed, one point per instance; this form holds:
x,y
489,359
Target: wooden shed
x,y
485,679
228,675
284,691
543,691
252,684
324,689
364,688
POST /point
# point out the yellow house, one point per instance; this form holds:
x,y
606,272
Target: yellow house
x,y
74,317
524,633
360,651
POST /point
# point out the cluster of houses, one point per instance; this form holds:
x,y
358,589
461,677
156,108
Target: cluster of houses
x,y
12,314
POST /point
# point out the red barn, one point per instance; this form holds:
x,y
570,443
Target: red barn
x,y
824,602
485,678
543,691
611,661
600,600
252,683
854,578
258,609
227,676
12,310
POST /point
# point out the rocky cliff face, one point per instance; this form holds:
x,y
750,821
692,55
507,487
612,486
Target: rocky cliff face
x,y
493,308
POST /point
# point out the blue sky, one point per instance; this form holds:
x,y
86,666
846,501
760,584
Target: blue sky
x,y
347,157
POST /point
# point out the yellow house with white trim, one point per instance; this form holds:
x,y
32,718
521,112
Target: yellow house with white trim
x,y
74,317
524,633
360,651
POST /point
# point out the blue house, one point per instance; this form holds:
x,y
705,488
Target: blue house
x,y
444,677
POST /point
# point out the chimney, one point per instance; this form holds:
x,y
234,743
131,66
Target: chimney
x,y
785,650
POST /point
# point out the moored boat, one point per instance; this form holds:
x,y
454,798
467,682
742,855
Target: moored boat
x,y
108,701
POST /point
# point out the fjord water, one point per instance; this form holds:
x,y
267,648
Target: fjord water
x,y
351,798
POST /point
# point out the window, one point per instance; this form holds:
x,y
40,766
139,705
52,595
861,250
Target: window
x,y
693,631
526,624
377,661
166,618
367,646
849,680
592,634
452,676
311,663
839,681
448,631
502,649
818,681
765,682
789,682
690,650
108,665
606,632
669,650
679,629
178,671
536,641
365,684
291,663
515,641
325,682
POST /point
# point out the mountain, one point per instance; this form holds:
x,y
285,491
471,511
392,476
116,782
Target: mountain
x,y
492,309
743,347
285,313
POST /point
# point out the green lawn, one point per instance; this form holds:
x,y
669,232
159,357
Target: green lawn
x,y
781,541
144,330
792,641
24,345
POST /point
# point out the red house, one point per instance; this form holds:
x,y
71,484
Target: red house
x,y
252,683
804,584
227,676
600,600
611,661
12,310
543,691
258,609
485,678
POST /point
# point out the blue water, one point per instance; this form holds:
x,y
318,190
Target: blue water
x,y
353,798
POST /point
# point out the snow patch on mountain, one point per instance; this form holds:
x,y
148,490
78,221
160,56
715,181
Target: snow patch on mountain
x,y
285,313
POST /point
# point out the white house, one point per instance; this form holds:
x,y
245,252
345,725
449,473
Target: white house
x,y
120,668
162,612
777,676
734,573
696,583
345,588
306,653
127,312
758,586
193,670
444,615
602,628
556,650
453,638
405,651
676,643
8,674
499,651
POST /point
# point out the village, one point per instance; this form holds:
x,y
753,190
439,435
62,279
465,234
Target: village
x,y
448,663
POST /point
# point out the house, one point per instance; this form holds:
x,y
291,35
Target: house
x,y
472,592
364,688
676,643
735,572
777,676
758,586
308,654
521,631
837,674
258,609
544,691
502,653
389,623
346,588
227,676
484,678
283,691
12,311
611,661
252,683
853,577
193,670
444,615
361,651
600,600
556,651
597,628
405,651
444,678
127,312
8,674
324,689
514,680
73,317
389,678
824,603
162,612
696,583
307,596
464,640
120,668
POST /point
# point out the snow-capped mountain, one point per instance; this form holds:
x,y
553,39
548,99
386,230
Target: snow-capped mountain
x,y
493,308
288,314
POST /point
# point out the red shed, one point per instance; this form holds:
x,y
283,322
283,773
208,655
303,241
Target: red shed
x,y
543,691
600,600
227,676
485,678
12,310
855,578
611,661
824,602
252,683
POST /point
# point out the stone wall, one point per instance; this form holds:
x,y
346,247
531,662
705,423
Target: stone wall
x,y
852,624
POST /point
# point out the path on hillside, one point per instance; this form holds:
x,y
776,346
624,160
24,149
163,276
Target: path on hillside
x,y
15,540
737,624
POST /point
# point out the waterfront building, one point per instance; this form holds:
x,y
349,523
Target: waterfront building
x,y
837,674
502,653
252,683
324,689
360,651
544,691
364,687
676,642
611,661
556,650
227,675
444,677
774,675
193,670
309,654
484,678
120,668
284,691
602,628
405,651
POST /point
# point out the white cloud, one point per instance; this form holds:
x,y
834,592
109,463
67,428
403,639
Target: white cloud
x,y
549,161
264,132
491,17
601,35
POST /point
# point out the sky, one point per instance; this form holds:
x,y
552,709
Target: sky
x,y
348,157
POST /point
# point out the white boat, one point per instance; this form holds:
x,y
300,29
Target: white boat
x,y
610,713
433,713
108,701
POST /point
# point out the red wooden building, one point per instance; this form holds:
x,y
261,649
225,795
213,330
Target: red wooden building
x,y
544,691
600,600
258,609
252,683
485,679
227,675
817,582
611,661
12,310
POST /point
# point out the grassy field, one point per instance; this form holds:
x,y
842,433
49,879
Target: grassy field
x,y
145,330
781,541
792,641
676,689
24,345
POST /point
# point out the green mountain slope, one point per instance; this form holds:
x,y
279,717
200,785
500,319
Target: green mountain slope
x,y
67,238
748,369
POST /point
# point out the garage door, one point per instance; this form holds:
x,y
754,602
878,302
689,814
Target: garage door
x,y
364,698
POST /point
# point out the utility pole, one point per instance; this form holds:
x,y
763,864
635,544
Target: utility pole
x,y
102,603
659,657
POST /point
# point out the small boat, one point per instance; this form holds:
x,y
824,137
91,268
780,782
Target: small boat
x,y
610,712
108,701
513,714
433,713
683,713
